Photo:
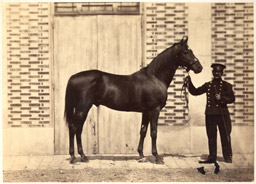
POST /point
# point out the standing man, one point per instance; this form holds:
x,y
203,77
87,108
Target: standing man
x,y
219,93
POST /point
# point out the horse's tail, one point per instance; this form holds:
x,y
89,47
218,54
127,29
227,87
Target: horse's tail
x,y
69,105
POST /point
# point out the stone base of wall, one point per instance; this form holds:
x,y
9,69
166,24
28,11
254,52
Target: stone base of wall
x,y
180,140
28,141
193,140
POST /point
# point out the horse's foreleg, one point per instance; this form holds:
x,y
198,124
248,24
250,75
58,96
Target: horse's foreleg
x,y
71,144
143,132
153,133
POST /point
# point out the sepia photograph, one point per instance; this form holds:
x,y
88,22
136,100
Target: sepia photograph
x,y
122,91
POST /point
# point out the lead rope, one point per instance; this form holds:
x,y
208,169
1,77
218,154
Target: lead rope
x,y
184,90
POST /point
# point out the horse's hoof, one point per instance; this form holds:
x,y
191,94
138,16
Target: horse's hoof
x,y
159,161
72,161
142,160
84,159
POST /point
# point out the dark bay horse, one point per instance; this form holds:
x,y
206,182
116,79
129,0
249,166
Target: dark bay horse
x,y
144,91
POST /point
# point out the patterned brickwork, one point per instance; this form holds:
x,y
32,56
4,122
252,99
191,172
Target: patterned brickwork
x,y
28,58
232,45
166,23
28,64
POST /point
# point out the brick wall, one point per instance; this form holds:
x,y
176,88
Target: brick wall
x,y
166,23
28,58
232,45
28,64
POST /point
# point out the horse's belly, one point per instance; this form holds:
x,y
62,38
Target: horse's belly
x,y
134,103
122,105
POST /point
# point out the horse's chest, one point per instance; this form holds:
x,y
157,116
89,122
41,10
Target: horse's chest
x,y
156,96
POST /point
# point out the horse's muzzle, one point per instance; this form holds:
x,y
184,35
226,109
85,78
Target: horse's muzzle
x,y
197,68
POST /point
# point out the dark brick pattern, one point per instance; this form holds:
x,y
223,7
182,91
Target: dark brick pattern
x,y
166,23
28,64
232,45
28,58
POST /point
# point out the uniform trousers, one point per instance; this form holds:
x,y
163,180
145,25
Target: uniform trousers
x,y
212,122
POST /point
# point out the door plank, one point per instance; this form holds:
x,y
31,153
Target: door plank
x,y
73,54
108,43
120,53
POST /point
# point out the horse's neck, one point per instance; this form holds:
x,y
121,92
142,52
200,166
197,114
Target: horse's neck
x,y
163,67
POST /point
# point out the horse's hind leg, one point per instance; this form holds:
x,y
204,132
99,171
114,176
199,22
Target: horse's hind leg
x,y
81,114
71,144
143,132
79,145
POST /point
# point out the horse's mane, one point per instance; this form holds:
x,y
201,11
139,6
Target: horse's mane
x,y
159,60
166,50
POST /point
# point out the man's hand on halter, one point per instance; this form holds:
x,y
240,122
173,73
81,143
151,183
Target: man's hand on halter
x,y
187,79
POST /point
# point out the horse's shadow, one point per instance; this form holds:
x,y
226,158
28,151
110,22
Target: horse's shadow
x,y
148,159
112,158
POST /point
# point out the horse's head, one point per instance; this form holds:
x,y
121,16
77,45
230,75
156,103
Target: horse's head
x,y
186,57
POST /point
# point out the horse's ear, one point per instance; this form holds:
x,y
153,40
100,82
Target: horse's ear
x,y
184,39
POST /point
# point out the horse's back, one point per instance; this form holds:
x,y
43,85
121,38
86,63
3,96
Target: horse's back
x,y
96,84
102,88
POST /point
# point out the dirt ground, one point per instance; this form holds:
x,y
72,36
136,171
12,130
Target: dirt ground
x,y
129,175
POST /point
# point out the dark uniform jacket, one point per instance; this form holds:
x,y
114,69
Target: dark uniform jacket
x,y
211,88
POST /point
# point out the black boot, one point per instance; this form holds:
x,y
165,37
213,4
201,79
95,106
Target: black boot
x,y
228,159
208,161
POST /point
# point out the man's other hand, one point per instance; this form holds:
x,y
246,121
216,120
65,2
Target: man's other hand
x,y
217,96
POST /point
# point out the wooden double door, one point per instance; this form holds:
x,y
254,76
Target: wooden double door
x,y
110,43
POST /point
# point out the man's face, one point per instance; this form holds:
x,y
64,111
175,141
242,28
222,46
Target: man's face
x,y
217,73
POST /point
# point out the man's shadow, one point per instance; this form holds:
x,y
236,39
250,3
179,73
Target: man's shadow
x,y
219,159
